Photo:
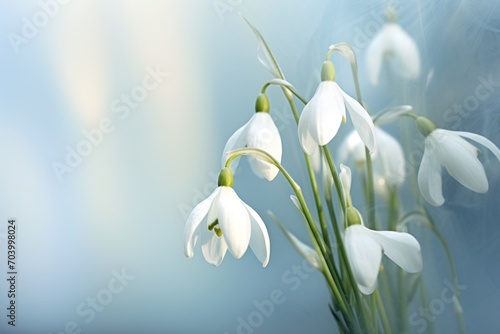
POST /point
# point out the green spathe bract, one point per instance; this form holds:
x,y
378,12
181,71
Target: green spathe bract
x,y
226,178
262,103
425,126
353,216
328,71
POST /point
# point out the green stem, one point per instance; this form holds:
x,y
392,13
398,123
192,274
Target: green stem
x,y
386,287
312,177
425,301
410,114
399,111
460,316
383,315
314,184
403,307
336,179
341,248
374,313
393,209
316,237
352,61
430,224
347,283
287,89
369,165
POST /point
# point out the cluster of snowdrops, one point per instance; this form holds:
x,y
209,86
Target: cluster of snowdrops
x,y
346,246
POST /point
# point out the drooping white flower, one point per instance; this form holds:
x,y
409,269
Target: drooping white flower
x,y
389,164
364,246
259,132
321,117
223,221
448,149
364,249
393,44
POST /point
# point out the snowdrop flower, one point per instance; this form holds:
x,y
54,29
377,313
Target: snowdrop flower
x,y
394,44
459,157
321,117
223,221
389,165
260,132
365,247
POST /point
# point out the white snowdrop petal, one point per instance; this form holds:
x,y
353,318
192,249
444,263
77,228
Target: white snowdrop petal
x,y
321,117
234,222
263,134
214,248
481,140
193,222
429,177
365,256
362,122
237,140
402,248
259,241
460,160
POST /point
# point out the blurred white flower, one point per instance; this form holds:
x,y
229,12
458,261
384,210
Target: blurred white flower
x,y
259,132
321,117
459,157
229,224
395,45
364,249
389,165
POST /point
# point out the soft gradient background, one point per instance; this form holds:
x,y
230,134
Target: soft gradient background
x,y
124,207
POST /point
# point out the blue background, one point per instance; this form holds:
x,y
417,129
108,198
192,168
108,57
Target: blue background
x,y
123,208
